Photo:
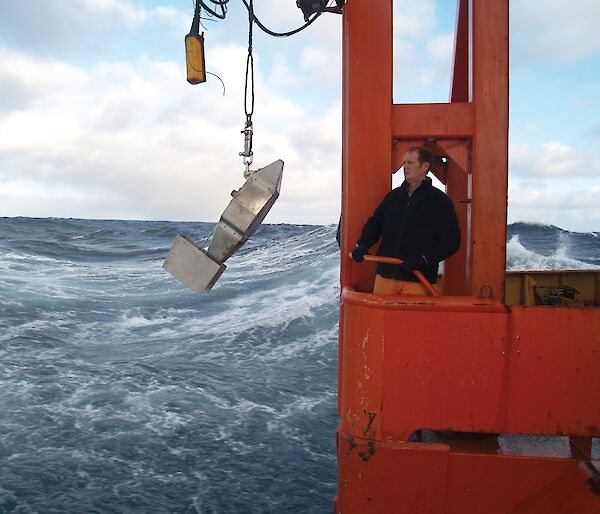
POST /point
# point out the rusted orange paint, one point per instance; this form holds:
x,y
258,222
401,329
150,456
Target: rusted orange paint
x,y
458,363
464,361
420,478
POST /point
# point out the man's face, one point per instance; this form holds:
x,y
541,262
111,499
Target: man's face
x,y
414,171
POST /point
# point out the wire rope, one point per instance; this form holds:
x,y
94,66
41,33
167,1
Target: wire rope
x,y
282,34
210,7
249,64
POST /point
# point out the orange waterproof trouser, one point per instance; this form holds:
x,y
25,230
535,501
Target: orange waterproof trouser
x,y
391,286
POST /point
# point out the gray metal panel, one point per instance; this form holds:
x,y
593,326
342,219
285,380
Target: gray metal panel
x,y
192,266
246,210
225,241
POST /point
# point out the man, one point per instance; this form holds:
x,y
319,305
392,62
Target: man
x,y
417,223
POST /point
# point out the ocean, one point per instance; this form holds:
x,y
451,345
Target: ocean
x,y
122,391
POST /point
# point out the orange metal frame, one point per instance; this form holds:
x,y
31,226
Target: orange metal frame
x,y
464,361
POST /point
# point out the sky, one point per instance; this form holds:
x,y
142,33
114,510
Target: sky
x,y
98,121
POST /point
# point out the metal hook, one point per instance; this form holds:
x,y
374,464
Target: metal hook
x,y
247,163
247,154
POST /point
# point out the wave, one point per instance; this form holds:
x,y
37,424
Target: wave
x,y
557,257
537,246
124,390
274,247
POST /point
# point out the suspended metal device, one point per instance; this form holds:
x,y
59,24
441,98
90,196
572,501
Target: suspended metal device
x,y
198,268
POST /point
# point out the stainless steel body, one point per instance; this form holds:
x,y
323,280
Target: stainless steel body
x,y
199,269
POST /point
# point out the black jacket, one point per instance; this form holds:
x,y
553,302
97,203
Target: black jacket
x,y
423,224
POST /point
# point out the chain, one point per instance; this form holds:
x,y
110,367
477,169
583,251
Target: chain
x,y
248,154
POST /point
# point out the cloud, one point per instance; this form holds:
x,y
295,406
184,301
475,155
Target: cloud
x,y
24,69
422,58
179,21
551,31
571,208
414,19
552,160
88,30
554,183
96,119
17,91
140,142
62,26
439,52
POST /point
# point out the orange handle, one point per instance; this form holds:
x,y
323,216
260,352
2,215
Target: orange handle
x,y
392,260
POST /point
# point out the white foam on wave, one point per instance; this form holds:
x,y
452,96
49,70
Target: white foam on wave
x,y
278,420
51,321
59,281
291,349
165,333
89,404
137,321
277,306
307,403
269,311
34,258
520,258
300,406
10,302
283,255
167,421
244,406
124,329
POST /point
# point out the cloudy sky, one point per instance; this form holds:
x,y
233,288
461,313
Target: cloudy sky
x,y
98,121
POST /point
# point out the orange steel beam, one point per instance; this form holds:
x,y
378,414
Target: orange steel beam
x,y
367,126
437,121
479,191
490,147
461,85
366,130
375,479
457,267
458,154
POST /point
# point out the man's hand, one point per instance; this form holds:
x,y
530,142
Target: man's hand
x,y
413,263
358,253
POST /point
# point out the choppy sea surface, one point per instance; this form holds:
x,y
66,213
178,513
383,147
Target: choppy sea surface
x,y
122,391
